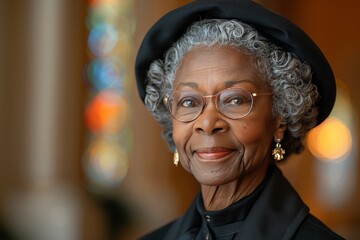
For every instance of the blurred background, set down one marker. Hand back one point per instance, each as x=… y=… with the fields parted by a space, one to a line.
x=80 y=157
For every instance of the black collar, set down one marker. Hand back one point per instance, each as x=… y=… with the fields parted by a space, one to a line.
x=276 y=214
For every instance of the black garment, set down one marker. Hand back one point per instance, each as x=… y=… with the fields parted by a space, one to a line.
x=225 y=224
x=278 y=213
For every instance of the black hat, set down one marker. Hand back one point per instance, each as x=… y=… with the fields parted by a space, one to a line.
x=274 y=27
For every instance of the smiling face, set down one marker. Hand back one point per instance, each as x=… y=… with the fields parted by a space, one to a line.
x=215 y=149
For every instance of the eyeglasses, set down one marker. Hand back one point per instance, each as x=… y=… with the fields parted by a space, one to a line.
x=234 y=103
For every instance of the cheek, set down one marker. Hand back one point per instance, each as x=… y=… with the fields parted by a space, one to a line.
x=181 y=134
x=176 y=134
x=255 y=134
x=248 y=134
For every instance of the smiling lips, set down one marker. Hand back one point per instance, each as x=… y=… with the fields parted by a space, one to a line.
x=213 y=153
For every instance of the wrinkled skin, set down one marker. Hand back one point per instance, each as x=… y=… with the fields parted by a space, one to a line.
x=229 y=158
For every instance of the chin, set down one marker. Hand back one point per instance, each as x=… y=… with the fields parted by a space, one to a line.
x=214 y=180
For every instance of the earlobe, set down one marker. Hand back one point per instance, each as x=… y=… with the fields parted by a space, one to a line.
x=279 y=133
x=280 y=129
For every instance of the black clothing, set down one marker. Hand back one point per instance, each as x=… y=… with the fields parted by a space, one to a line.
x=224 y=224
x=276 y=212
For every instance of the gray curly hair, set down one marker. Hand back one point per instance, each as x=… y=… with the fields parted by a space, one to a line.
x=294 y=95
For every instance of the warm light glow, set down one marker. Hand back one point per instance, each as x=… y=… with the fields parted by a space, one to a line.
x=330 y=141
x=106 y=112
x=107 y=163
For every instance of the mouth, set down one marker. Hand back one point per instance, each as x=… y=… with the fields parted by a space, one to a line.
x=215 y=153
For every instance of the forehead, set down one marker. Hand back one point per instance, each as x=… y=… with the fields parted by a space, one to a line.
x=217 y=65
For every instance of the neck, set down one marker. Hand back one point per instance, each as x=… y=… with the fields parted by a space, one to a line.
x=220 y=197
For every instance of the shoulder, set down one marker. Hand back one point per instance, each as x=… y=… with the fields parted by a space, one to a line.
x=313 y=229
x=179 y=227
x=158 y=233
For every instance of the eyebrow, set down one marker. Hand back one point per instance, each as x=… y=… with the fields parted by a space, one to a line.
x=234 y=82
x=190 y=84
x=228 y=84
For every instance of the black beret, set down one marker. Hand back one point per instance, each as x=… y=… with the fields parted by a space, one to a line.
x=274 y=27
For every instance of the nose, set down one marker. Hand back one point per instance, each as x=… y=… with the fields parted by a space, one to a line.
x=210 y=121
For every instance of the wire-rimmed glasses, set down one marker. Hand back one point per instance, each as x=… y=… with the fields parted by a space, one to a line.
x=234 y=103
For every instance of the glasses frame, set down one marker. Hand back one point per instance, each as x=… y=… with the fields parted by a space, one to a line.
x=253 y=95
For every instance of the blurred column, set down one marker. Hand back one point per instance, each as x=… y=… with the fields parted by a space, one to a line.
x=45 y=76
x=41 y=124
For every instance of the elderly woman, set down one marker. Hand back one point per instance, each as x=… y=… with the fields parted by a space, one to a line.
x=235 y=86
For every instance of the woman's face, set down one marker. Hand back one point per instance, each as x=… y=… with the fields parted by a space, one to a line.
x=216 y=149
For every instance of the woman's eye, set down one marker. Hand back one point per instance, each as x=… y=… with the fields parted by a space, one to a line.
x=188 y=102
x=236 y=100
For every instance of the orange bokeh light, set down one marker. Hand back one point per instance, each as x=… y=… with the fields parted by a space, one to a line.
x=106 y=112
x=330 y=141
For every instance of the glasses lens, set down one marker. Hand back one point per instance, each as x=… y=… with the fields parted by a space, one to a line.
x=235 y=103
x=185 y=106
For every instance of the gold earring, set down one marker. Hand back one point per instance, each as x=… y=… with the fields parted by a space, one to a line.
x=176 y=158
x=278 y=152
